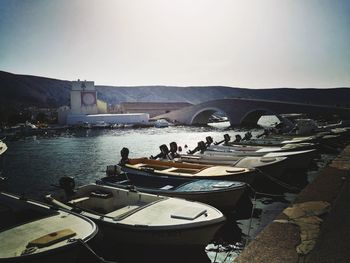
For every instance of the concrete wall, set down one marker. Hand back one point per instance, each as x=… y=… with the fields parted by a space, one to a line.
x=137 y=118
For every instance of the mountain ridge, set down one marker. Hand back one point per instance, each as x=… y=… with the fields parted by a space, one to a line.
x=27 y=90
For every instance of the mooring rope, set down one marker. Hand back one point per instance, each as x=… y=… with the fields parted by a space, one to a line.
x=279 y=182
x=85 y=245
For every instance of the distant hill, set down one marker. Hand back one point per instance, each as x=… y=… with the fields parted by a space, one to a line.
x=23 y=90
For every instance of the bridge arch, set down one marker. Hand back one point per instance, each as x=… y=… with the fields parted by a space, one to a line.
x=251 y=118
x=202 y=116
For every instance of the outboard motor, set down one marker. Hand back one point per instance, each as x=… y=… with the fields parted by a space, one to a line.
x=227 y=138
x=238 y=138
x=125 y=156
x=200 y=147
x=173 y=150
x=247 y=136
x=67 y=183
x=164 y=153
x=164 y=150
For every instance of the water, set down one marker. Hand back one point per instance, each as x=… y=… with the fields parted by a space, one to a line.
x=34 y=164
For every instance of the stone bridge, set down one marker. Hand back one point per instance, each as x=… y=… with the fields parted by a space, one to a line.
x=246 y=112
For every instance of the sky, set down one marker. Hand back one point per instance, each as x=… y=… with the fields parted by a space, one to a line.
x=237 y=43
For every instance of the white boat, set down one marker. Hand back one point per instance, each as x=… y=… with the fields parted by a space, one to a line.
x=248 y=150
x=277 y=140
x=161 y=123
x=33 y=232
x=3 y=147
x=129 y=217
x=254 y=150
x=296 y=159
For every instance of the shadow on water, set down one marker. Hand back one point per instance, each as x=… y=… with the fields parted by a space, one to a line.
x=135 y=254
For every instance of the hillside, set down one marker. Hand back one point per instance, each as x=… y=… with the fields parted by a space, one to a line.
x=22 y=90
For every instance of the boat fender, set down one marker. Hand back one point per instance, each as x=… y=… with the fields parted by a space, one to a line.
x=67 y=183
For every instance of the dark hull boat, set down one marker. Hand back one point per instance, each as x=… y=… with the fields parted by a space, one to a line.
x=34 y=232
x=223 y=195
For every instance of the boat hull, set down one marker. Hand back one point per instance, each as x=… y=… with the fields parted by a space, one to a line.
x=197 y=237
x=247 y=177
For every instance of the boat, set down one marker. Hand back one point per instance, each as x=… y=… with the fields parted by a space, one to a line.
x=132 y=218
x=161 y=123
x=223 y=195
x=3 y=147
x=101 y=125
x=253 y=150
x=274 y=140
x=150 y=167
x=296 y=159
x=31 y=231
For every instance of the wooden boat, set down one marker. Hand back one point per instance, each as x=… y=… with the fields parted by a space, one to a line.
x=3 y=147
x=34 y=232
x=220 y=194
x=296 y=159
x=129 y=217
x=274 y=166
x=149 y=167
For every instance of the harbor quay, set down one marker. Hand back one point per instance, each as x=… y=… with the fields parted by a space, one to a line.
x=315 y=227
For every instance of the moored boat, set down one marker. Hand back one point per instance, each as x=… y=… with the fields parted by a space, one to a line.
x=149 y=167
x=129 y=217
x=223 y=195
x=296 y=159
x=34 y=232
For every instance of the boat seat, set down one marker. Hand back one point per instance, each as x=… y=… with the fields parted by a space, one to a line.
x=122 y=211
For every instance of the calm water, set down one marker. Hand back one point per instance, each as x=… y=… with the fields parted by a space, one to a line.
x=33 y=164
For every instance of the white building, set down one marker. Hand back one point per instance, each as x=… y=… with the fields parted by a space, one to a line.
x=86 y=108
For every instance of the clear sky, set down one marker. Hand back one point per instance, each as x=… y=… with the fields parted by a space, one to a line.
x=241 y=43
